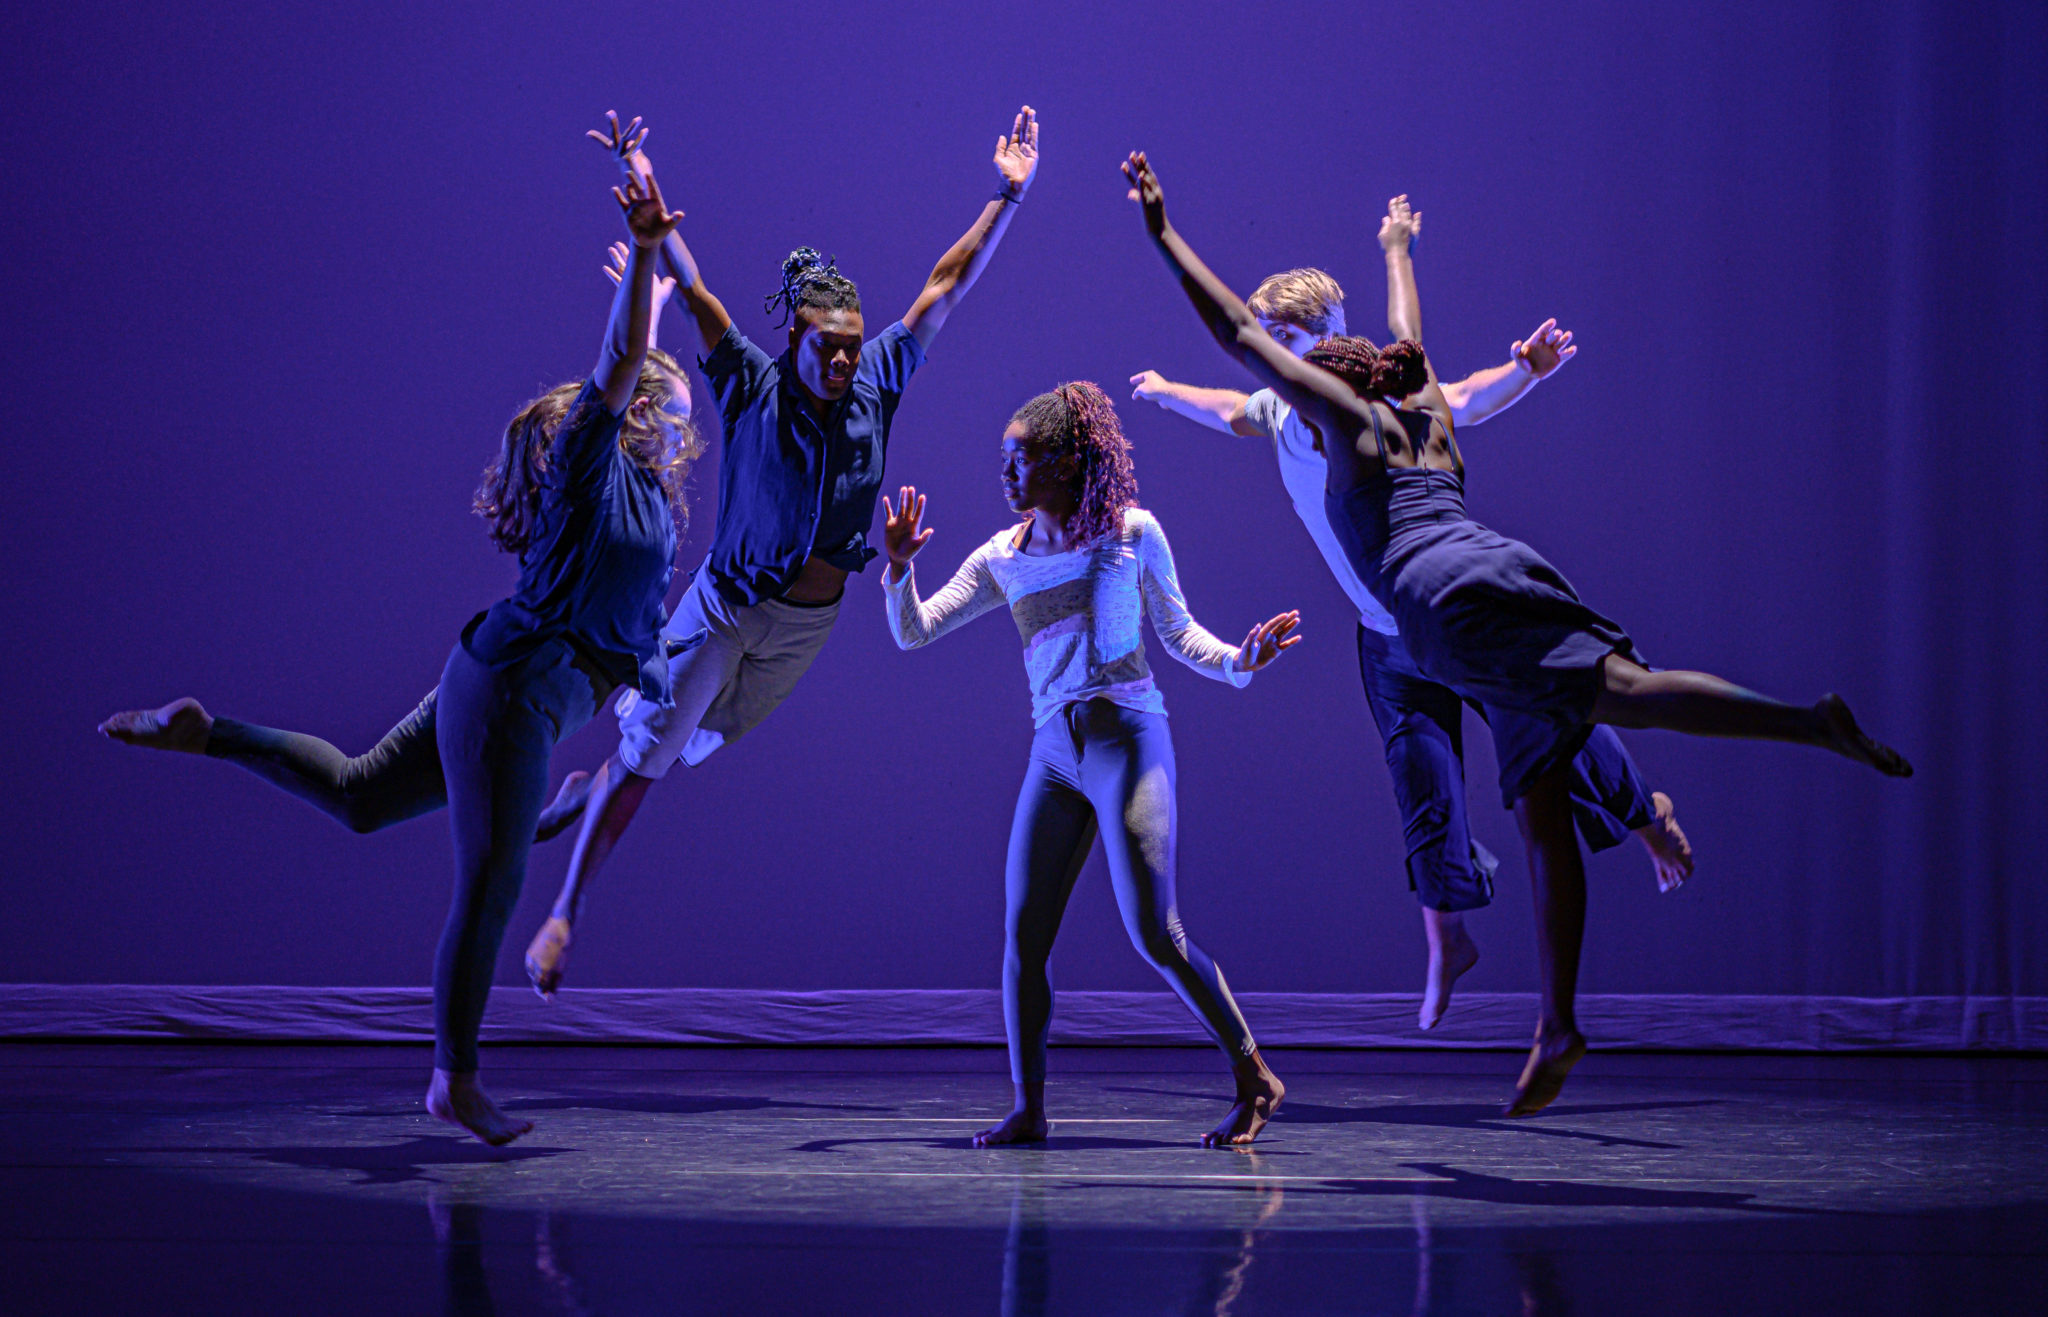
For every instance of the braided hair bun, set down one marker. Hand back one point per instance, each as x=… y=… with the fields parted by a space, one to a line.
x=1392 y=372
x=809 y=279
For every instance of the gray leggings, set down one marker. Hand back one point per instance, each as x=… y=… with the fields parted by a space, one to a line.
x=1098 y=767
x=400 y=778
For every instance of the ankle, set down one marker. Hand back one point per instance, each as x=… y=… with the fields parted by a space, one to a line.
x=1251 y=1072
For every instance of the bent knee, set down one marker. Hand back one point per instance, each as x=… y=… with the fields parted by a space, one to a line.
x=361 y=814
x=1163 y=945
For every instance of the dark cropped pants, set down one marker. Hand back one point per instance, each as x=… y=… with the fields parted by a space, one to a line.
x=496 y=729
x=1100 y=768
x=1420 y=724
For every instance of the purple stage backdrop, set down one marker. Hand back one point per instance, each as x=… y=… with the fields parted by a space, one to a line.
x=277 y=275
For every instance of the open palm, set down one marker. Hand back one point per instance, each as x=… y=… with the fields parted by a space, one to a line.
x=1268 y=640
x=1017 y=152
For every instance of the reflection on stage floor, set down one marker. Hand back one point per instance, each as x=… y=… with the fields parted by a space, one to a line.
x=171 y=1178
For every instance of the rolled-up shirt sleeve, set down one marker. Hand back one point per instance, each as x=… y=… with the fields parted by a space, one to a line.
x=1265 y=410
x=738 y=372
x=891 y=358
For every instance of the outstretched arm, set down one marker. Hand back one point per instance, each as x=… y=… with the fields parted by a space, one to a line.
x=1190 y=641
x=624 y=145
x=1323 y=400
x=1016 y=165
x=916 y=622
x=626 y=337
x=1219 y=409
x=664 y=288
x=1398 y=232
x=1487 y=393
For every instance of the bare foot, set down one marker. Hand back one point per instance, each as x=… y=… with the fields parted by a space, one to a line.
x=1450 y=956
x=548 y=955
x=181 y=725
x=1849 y=740
x=460 y=1100
x=566 y=808
x=1020 y=1126
x=1550 y=1060
x=1670 y=852
x=1259 y=1091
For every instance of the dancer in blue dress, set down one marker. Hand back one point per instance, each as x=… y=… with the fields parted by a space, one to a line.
x=1485 y=615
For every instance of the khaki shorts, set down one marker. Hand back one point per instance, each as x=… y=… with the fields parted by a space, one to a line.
x=740 y=662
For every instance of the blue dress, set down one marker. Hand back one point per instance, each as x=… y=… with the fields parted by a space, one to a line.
x=1480 y=613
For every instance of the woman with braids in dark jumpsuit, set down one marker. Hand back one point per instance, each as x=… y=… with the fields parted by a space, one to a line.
x=1485 y=615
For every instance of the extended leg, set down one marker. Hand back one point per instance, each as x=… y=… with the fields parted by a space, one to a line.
x=1557 y=879
x=1705 y=705
x=1049 y=839
x=1127 y=769
x=399 y=778
x=650 y=739
x=614 y=798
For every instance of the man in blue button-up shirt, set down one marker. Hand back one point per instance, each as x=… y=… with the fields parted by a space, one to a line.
x=806 y=434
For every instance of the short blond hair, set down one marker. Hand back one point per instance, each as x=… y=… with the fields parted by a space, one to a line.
x=1306 y=297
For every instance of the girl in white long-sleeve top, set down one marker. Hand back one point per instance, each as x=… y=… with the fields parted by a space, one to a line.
x=1078 y=575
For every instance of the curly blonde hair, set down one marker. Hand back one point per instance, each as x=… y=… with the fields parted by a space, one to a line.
x=1077 y=425
x=509 y=496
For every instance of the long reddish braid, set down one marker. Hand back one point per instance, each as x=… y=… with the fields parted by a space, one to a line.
x=1077 y=425
x=1392 y=372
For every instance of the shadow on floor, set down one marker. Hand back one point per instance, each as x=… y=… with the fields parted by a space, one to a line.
x=387 y=1163
x=1463 y=1115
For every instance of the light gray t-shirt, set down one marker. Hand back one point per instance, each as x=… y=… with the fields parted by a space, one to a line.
x=1305 y=474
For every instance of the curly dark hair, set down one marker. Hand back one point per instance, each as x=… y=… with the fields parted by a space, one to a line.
x=1077 y=425
x=509 y=496
x=1392 y=372
x=808 y=279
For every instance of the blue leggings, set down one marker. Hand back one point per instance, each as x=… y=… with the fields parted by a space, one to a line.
x=496 y=729
x=1100 y=768
x=1421 y=725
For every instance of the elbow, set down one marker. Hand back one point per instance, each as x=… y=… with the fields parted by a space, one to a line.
x=1241 y=334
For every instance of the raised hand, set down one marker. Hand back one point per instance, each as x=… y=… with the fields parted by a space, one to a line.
x=1145 y=190
x=1401 y=227
x=901 y=538
x=1147 y=386
x=616 y=272
x=1545 y=350
x=622 y=143
x=1017 y=153
x=647 y=219
x=1267 y=640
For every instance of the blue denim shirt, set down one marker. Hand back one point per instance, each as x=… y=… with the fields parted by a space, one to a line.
x=789 y=484
x=599 y=564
